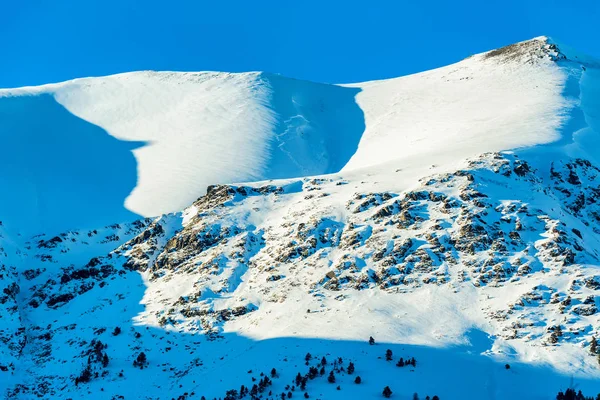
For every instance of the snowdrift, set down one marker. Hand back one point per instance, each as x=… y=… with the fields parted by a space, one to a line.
x=149 y=143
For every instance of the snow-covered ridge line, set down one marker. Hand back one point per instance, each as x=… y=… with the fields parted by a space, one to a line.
x=423 y=234
x=169 y=135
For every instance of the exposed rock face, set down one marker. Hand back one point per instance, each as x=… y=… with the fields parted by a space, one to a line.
x=217 y=263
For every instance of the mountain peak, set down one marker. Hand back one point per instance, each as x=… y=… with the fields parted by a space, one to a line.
x=540 y=48
x=452 y=215
x=529 y=51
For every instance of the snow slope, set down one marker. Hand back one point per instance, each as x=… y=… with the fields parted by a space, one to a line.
x=72 y=142
x=479 y=104
x=461 y=226
x=189 y=130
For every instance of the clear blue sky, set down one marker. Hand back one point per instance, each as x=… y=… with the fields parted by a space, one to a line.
x=330 y=41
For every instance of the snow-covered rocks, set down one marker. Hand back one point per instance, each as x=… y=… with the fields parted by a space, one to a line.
x=432 y=238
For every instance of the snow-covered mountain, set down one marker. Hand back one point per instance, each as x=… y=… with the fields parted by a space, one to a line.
x=452 y=215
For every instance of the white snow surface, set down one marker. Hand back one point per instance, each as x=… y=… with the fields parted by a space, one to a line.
x=313 y=256
x=186 y=131
x=191 y=130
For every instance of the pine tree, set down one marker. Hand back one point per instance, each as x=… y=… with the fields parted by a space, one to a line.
x=322 y=371
x=388 y=355
x=105 y=360
x=350 y=369
x=306 y=395
x=323 y=361
x=371 y=340
x=273 y=373
x=303 y=383
x=570 y=394
x=331 y=377
x=415 y=396
x=387 y=392
x=435 y=398
x=400 y=362
x=307 y=357
x=141 y=361
x=357 y=380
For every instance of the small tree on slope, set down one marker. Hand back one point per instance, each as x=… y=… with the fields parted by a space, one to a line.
x=387 y=392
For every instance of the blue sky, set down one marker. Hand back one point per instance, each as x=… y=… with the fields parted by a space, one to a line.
x=329 y=41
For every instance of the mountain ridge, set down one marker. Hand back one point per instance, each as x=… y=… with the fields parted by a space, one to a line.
x=432 y=238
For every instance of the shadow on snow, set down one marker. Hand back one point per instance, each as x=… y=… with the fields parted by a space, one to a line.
x=185 y=362
x=58 y=171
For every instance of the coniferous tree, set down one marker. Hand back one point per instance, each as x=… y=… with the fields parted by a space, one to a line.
x=273 y=373
x=570 y=394
x=331 y=377
x=86 y=375
x=415 y=396
x=105 y=360
x=435 y=398
x=357 y=380
x=388 y=355
x=387 y=392
x=371 y=340
x=350 y=369
x=306 y=396
x=323 y=361
x=141 y=361
x=322 y=371
x=400 y=362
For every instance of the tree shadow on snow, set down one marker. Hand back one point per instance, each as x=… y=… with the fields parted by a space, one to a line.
x=58 y=171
